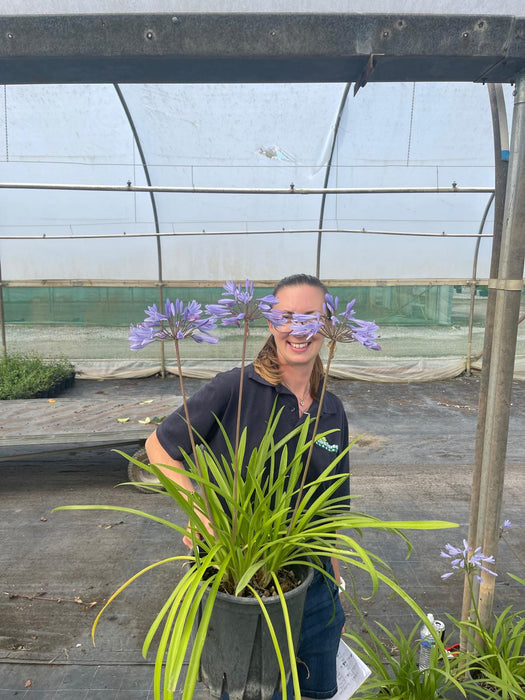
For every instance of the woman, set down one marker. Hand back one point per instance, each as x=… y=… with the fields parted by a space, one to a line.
x=287 y=370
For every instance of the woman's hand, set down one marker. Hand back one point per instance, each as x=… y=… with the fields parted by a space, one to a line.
x=206 y=526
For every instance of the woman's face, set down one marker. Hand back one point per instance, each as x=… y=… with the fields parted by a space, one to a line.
x=296 y=350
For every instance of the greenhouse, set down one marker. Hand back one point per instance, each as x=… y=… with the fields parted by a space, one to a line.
x=118 y=195
x=157 y=154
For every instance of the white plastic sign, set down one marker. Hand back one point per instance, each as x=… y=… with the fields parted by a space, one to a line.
x=351 y=672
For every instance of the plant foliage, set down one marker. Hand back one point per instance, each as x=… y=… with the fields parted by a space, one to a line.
x=246 y=562
x=25 y=376
x=394 y=665
x=264 y=514
x=496 y=664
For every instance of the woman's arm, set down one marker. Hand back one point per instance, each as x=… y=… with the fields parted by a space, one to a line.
x=157 y=455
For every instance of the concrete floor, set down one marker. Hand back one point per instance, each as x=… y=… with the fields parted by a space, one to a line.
x=413 y=461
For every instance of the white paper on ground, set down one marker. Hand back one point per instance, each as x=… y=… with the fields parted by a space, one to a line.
x=351 y=672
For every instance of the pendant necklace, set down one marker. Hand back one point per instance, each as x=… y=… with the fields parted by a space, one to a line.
x=302 y=400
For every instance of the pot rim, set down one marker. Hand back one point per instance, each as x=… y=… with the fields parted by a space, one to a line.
x=242 y=600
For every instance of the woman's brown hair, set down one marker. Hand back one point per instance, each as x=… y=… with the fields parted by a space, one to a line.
x=266 y=363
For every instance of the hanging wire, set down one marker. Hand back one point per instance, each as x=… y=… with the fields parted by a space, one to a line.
x=411 y=123
x=243 y=232
x=5 y=125
x=473 y=282
x=2 y=317
x=327 y=178
x=153 y=206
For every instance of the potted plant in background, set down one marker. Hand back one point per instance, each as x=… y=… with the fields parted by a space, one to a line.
x=493 y=668
x=33 y=377
x=494 y=664
x=393 y=658
x=275 y=526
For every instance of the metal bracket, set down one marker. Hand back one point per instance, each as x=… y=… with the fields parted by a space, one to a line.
x=367 y=70
x=506 y=285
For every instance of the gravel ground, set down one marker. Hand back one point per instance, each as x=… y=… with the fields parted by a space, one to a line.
x=413 y=460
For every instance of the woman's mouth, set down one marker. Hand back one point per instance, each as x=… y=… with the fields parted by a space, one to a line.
x=299 y=346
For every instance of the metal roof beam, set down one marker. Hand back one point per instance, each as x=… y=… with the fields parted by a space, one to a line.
x=259 y=47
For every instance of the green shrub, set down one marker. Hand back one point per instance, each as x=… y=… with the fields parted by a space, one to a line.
x=26 y=376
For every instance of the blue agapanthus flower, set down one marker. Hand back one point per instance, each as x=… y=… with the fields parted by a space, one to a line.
x=337 y=327
x=178 y=321
x=467 y=559
x=238 y=306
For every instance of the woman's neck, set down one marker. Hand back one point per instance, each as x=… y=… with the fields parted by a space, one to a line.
x=298 y=382
x=297 y=379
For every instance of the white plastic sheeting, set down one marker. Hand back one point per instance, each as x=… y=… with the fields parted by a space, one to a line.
x=394 y=371
x=486 y=7
x=244 y=136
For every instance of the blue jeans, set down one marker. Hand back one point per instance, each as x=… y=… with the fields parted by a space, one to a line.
x=323 y=623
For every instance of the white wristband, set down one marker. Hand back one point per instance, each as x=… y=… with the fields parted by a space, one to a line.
x=342 y=584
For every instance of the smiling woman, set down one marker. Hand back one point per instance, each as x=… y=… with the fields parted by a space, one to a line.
x=285 y=377
x=267 y=505
x=296 y=352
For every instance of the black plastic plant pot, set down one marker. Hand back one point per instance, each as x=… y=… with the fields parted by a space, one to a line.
x=239 y=656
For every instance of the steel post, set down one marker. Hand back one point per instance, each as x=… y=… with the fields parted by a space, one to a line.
x=500 y=177
x=2 y=317
x=507 y=288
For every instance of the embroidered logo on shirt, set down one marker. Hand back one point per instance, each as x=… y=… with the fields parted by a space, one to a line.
x=323 y=442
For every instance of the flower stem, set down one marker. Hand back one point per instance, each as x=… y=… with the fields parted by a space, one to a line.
x=331 y=352
x=512 y=549
x=190 y=431
x=246 y=333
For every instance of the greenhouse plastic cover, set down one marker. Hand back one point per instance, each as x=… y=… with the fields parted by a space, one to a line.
x=249 y=136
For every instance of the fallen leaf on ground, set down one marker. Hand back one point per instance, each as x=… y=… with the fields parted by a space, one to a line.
x=108 y=526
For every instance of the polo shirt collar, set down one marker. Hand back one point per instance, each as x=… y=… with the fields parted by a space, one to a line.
x=329 y=402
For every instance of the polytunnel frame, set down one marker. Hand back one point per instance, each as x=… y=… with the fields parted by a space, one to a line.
x=324 y=47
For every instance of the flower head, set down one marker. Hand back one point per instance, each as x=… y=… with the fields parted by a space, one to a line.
x=507 y=525
x=141 y=335
x=307 y=324
x=178 y=321
x=340 y=327
x=467 y=559
x=239 y=306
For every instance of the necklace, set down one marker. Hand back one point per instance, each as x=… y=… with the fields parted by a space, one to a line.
x=301 y=400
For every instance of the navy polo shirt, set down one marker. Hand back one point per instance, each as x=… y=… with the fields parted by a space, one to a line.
x=220 y=397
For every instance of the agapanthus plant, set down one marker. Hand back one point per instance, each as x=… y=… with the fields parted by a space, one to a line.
x=258 y=534
x=503 y=532
x=178 y=322
x=238 y=307
x=492 y=656
x=466 y=559
x=341 y=327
